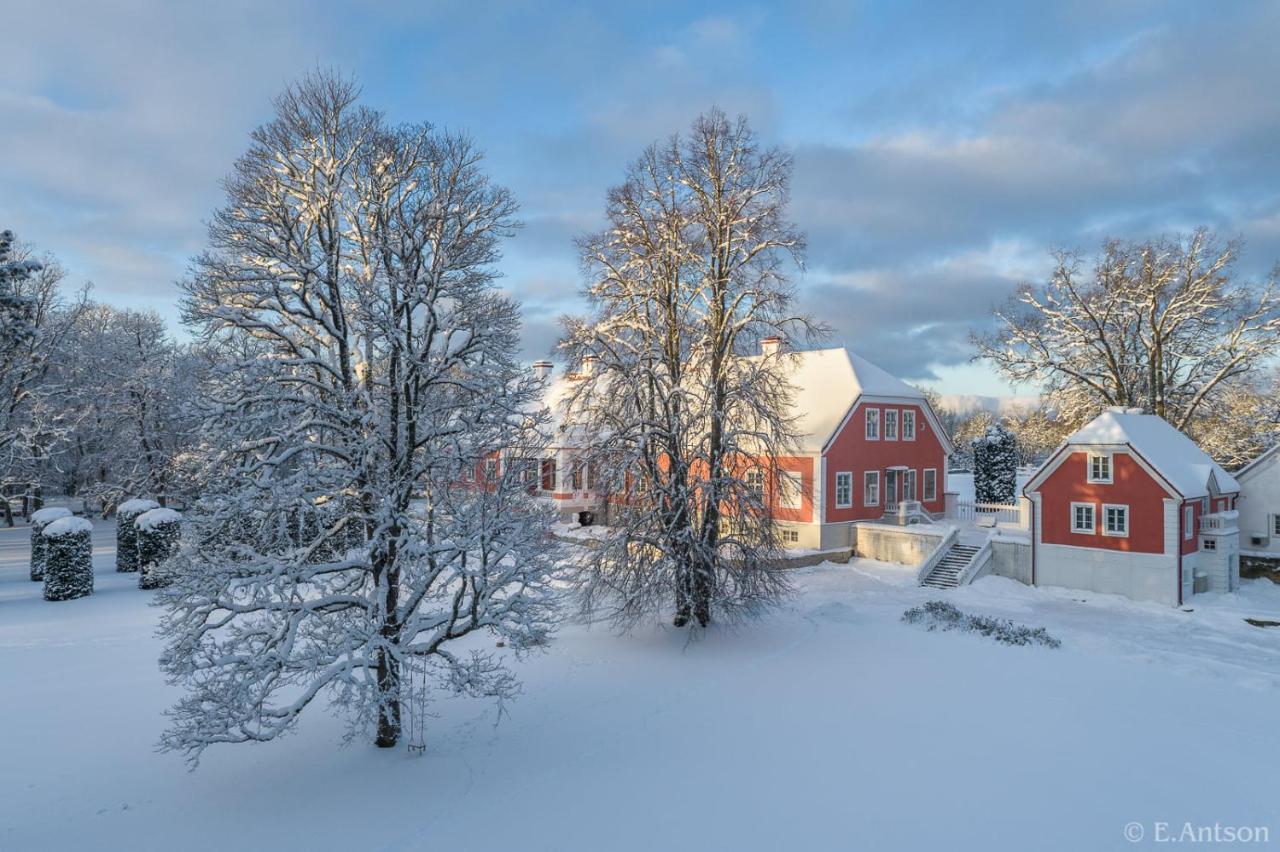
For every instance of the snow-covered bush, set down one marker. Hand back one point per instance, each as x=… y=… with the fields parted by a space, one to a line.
x=68 y=559
x=39 y=520
x=157 y=532
x=995 y=466
x=126 y=533
x=940 y=615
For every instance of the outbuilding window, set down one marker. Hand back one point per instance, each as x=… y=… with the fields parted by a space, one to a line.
x=844 y=489
x=1082 y=520
x=1115 y=520
x=1099 y=467
x=1208 y=544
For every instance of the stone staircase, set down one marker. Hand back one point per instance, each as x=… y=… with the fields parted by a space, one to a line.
x=946 y=574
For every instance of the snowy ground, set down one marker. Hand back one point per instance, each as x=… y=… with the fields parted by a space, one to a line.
x=829 y=725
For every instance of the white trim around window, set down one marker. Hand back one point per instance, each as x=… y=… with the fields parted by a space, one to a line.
x=1099 y=469
x=873 y=424
x=1083 y=520
x=908 y=485
x=844 y=489
x=1188 y=523
x=871 y=488
x=790 y=489
x=908 y=424
x=929 y=491
x=891 y=424
x=1115 y=520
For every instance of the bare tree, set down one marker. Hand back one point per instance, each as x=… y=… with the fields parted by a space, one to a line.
x=1162 y=325
x=368 y=365
x=683 y=423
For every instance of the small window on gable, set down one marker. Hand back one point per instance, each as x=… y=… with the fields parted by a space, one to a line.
x=873 y=424
x=844 y=489
x=891 y=424
x=1082 y=518
x=1115 y=520
x=908 y=425
x=1099 y=467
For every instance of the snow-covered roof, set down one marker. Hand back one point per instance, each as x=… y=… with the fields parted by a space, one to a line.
x=67 y=526
x=153 y=518
x=827 y=383
x=1257 y=464
x=1175 y=457
x=49 y=514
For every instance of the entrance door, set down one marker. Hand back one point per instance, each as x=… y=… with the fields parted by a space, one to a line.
x=892 y=482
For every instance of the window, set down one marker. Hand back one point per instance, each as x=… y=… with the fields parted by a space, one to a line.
x=873 y=424
x=891 y=424
x=578 y=476
x=1275 y=524
x=529 y=471
x=844 y=489
x=1082 y=518
x=1099 y=467
x=468 y=471
x=490 y=470
x=871 y=488
x=930 y=485
x=1115 y=520
x=791 y=536
x=548 y=474
x=1188 y=523
x=755 y=482
x=909 y=485
x=908 y=425
x=790 y=489
x=1208 y=544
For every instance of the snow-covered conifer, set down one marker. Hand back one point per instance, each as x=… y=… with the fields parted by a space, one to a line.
x=68 y=559
x=678 y=410
x=366 y=358
x=995 y=466
x=17 y=309
x=157 y=532
x=40 y=519
x=127 y=532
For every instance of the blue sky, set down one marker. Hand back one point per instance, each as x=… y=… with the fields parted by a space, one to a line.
x=941 y=149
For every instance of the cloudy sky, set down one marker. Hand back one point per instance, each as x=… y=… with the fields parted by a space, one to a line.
x=941 y=149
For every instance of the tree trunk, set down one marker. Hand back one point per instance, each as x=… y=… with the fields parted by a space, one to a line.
x=388 y=708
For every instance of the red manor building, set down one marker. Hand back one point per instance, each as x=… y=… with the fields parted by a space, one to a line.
x=1129 y=505
x=867 y=442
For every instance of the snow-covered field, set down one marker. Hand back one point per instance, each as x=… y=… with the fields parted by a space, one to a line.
x=829 y=725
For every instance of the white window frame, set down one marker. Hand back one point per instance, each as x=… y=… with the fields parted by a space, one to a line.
x=790 y=489
x=1093 y=519
x=1275 y=524
x=890 y=418
x=754 y=478
x=490 y=470
x=910 y=479
x=1207 y=543
x=1125 y=509
x=1110 y=477
x=873 y=424
x=908 y=420
x=1188 y=523
x=847 y=476
x=791 y=536
x=871 y=486
x=927 y=494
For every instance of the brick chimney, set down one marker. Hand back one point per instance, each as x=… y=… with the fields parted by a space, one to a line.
x=770 y=346
x=542 y=369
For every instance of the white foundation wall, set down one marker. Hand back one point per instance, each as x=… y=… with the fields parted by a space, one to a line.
x=909 y=545
x=1141 y=576
x=1011 y=558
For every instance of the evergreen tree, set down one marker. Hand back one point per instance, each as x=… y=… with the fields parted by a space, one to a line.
x=39 y=520
x=68 y=559
x=127 y=514
x=995 y=473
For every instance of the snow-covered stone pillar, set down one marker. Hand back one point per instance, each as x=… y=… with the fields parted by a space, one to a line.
x=950 y=501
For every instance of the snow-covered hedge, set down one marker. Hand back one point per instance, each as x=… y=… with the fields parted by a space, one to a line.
x=39 y=520
x=940 y=615
x=126 y=536
x=68 y=559
x=995 y=466
x=157 y=533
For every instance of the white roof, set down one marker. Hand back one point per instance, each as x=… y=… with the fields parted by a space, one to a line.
x=827 y=382
x=1174 y=456
x=1248 y=470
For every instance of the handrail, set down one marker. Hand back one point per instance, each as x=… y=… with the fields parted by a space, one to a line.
x=931 y=562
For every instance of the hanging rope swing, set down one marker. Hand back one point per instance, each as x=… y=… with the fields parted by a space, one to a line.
x=417 y=706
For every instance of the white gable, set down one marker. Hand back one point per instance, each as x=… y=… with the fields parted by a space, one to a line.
x=1174 y=456
x=1269 y=459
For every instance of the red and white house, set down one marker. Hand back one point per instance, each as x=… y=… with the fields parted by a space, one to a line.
x=867 y=441
x=1129 y=505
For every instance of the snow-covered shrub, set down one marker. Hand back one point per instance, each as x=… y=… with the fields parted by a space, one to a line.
x=68 y=559
x=126 y=534
x=157 y=532
x=995 y=466
x=39 y=520
x=940 y=615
